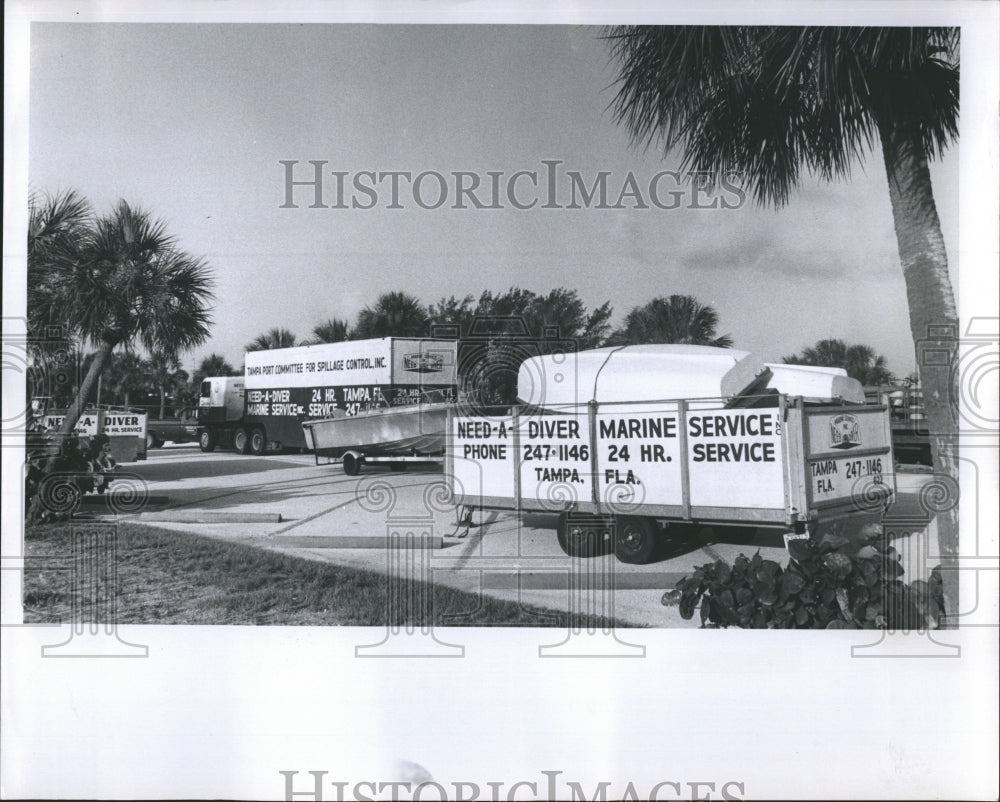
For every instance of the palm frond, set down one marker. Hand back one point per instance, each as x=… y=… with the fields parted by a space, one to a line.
x=276 y=337
x=769 y=102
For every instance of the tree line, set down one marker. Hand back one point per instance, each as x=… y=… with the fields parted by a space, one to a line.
x=139 y=289
x=491 y=328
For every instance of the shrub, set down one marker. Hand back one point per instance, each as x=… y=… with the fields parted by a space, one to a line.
x=835 y=583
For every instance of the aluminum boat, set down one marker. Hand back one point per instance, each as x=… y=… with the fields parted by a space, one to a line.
x=416 y=430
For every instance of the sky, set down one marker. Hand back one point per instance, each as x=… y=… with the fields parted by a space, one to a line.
x=192 y=122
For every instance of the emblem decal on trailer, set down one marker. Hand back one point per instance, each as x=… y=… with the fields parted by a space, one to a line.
x=845 y=431
x=423 y=363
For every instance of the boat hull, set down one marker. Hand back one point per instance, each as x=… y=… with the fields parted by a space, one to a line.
x=396 y=431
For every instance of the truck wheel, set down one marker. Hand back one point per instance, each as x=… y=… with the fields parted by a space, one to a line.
x=206 y=440
x=636 y=539
x=578 y=538
x=241 y=442
x=258 y=442
x=152 y=441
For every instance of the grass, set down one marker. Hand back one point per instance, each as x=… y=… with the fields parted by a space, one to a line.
x=167 y=577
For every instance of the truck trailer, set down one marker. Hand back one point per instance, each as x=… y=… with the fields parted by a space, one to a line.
x=639 y=443
x=283 y=387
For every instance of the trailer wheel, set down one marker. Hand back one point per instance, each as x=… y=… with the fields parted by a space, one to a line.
x=258 y=442
x=206 y=440
x=241 y=442
x=578 y=538
x=352 y=464
x=636 y=539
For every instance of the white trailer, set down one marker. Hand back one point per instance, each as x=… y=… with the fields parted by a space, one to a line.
x=283 y=387
x=602 y=441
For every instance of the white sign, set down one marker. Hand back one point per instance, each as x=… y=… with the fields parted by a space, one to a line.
x=736 y=459
x=639 y=457
x=119 y=424
x=355 y=362
x=87 y=424
x=111 y=423
x=839 y=433
x=554 y=455
x=483 y=456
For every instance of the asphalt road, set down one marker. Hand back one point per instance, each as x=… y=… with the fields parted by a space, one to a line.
x=325 y=515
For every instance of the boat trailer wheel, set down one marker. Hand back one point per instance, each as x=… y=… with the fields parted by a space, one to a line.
x=352 y=463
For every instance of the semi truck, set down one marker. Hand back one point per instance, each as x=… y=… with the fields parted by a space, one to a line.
x=639 y=443
x=281 y=388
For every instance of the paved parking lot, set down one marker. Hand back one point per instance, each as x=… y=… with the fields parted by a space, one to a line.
x=288 y=503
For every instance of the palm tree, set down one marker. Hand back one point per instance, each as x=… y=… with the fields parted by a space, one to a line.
x=272 y=338
x=677 y=319
x=766 y=102
x=124 y=377
x=124 y=282
x=333 y=330
x=860 y=361
x=214 y=365
x=57 y=225
x=165 y=374
x=395 y=314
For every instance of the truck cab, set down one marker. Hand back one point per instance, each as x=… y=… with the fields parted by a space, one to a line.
x=220 y=409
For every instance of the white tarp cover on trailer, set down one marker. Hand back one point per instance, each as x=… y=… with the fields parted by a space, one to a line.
x=637 y=373
x=815 y=383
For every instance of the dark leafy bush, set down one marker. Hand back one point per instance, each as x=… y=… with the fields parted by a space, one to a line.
x=833 y=583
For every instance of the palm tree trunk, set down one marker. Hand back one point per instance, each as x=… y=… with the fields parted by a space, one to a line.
x=934 y=326
x=163 y=402
x=76 y=408
x=89 y=381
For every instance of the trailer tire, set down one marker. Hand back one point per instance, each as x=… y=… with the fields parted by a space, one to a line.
x=352 y=463
x=258 y=442
x=207 y=440
x=636 y=539
x=577 y=539
x=241 y=441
